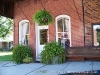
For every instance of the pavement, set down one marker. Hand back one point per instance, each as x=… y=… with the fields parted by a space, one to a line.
x=10 y=68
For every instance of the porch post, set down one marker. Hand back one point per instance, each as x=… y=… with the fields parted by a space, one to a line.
x=83 y=20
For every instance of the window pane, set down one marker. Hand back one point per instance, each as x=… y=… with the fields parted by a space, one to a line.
x=26 y=41
x=27 y=31
x=60 y=26
x=65 y=35
x=96 y=35
x=66 y=25
x=60 y=35
x=43 y=36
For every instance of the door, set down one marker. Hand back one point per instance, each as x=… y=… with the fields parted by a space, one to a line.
x=41 y=39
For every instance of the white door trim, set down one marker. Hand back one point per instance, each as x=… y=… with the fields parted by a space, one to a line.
x=37 y=29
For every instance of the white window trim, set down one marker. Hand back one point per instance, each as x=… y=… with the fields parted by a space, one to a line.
x=20 y=27
x=56 y=19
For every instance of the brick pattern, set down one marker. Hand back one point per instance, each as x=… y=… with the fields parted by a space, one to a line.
x=91 y=15
x=56 y=8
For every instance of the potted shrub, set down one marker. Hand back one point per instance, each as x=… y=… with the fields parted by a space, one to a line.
x=53 y=53
x=42 y=17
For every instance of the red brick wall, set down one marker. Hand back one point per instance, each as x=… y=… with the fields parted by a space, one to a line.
x=91 y=16
x=56 y=8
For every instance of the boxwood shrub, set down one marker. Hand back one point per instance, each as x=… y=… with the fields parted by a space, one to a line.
x=20 y=52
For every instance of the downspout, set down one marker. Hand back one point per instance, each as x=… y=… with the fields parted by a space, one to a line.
x=83 y=22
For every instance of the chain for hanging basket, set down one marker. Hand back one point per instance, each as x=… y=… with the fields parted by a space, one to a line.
x=42 y=17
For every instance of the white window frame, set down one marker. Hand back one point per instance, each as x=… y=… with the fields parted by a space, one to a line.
x=57 y=19
x=20 y=30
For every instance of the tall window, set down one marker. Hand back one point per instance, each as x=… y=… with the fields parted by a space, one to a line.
x=63 y=28
x=24 y=32
x=96 y=34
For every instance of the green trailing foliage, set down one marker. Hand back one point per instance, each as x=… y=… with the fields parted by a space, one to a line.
x=42 y=17
x=52 y=50
x=20 y=52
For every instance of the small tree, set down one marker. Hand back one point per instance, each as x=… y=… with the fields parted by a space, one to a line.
x=6 y=27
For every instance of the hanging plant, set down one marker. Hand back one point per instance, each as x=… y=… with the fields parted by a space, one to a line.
x=43 y=17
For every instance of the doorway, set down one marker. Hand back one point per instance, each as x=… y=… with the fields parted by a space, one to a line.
x=41 y=39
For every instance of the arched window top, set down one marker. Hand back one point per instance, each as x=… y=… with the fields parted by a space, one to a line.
x=23 y=21
x=62 y=16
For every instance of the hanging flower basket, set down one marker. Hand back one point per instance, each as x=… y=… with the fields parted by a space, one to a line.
x=42 y=17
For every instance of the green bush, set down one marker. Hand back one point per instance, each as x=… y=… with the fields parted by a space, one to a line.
x=51 y=50
x=20 y=52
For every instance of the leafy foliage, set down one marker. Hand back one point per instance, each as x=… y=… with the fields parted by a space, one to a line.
x=52 y=50
x=43 y=17
x=20 y=52
x=6 y=26
x=27 y=59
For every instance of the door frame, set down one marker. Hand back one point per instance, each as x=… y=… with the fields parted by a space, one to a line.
x=37 y=28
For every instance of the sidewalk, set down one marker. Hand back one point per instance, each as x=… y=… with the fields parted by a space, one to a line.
x=42 y=69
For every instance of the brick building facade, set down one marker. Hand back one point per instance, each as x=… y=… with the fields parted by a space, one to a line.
x=70 y=10
x=91 y=18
